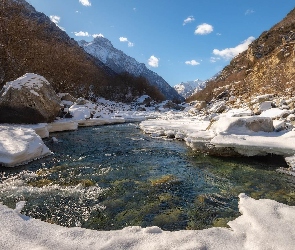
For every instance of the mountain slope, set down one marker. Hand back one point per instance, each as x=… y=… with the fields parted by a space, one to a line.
x=118 y=61
x=266 y=67
x=31 y=43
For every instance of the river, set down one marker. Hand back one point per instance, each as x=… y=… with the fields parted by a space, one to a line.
x=110 y=177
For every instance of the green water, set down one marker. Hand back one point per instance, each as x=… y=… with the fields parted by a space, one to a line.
x=110 y=177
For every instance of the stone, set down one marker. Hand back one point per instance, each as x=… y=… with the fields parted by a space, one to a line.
x=264 y=124
x=200 y=105
x=28 y=99
x=237 y=125
x=141 y=109
x=265 y=105
x=81 y=101
x=279 y=125
x=218 y=107
x=262 y=98
x=291 y=117
x=66 y=97
x=223 y=95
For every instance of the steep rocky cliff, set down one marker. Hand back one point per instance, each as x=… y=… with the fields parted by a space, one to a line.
x=266 y=67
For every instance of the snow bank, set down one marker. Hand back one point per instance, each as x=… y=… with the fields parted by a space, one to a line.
x=245 y=135
x=18 y=145
x=62 y=125
x=259 y=144
x=275 y=113
x=40 y=128
x=264 y=224
x=100 y=121
x=179 y=125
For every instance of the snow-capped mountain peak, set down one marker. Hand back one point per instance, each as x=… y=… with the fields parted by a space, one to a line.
x=118 y=61
x=186 y=89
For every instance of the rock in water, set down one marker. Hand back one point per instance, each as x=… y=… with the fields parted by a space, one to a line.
x=28 y=99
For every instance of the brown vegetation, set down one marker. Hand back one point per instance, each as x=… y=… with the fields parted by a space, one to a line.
x=30 y=42
x=267 y=67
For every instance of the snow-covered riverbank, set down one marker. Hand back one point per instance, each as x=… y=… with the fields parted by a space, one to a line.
x=264 y=224
x=230 y=133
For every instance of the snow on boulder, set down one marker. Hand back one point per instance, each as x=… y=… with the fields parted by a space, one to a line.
x=275 y=113
x=83 y=109
x=218 y=107
x=28 y=99
x=241 y=125
x=66 y=99
x=19 y=145
x=144 y=99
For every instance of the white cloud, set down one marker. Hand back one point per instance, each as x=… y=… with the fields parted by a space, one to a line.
x=188 y=20
x=153 y=61
x=85 y=2
x=204 y=29
x=56 y=20
x=124 y=39
x=214 y=59
x=192 y=62
x=249 y=11
x=97 y=35
x=81 y=33
x=229 y=53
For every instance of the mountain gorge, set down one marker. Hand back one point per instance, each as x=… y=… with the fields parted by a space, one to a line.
x=31 y=42
x=266 y=67
x=102 y=49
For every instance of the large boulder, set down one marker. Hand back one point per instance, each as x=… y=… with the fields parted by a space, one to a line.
x=243 y=125
x=28 y=99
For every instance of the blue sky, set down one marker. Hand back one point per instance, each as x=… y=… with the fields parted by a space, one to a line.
x=181 y=40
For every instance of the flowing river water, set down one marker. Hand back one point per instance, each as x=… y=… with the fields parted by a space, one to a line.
x=110 y=177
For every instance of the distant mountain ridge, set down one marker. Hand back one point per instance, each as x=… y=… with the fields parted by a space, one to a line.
x=118 y=61
x=188 y=88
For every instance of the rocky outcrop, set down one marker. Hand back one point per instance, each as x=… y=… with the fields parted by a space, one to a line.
x=28 y=99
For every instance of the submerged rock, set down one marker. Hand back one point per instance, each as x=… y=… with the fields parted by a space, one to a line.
x=28 y=99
